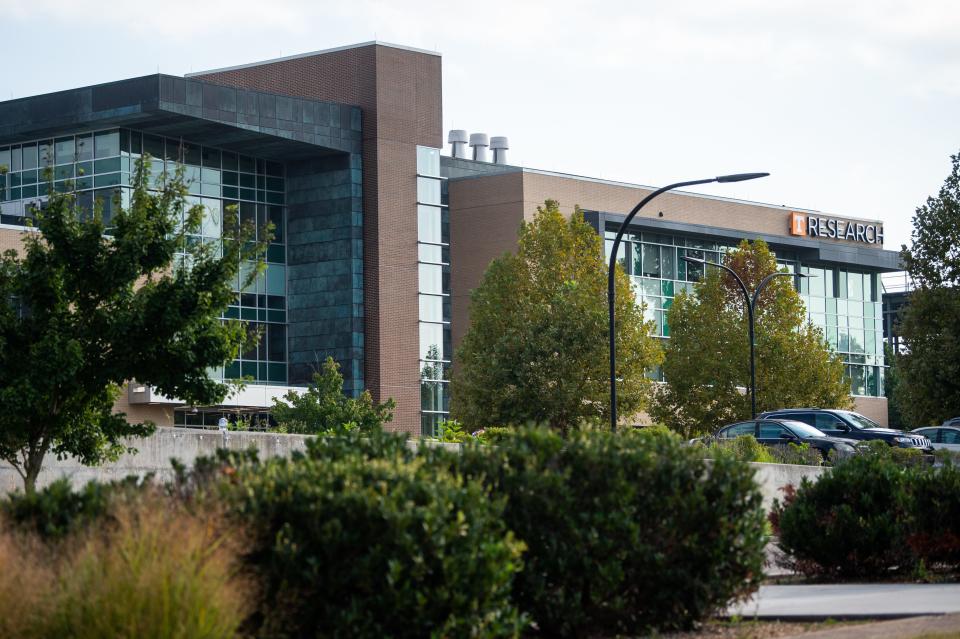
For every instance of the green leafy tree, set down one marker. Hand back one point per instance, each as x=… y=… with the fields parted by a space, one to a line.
x=707 y=359
x=324 y=409
x=536 y=349
x=82 y=312
x=928 y=388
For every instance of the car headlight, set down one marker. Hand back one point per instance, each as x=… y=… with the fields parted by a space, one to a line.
x=846 y=449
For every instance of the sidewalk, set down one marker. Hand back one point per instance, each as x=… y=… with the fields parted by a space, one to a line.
x=849 y=601
x=912 y=628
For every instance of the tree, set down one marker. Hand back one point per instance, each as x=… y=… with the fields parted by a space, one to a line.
x=83 y=311
x=536 y=348
x=707 y=359
x=928 y=389
x=324 y=409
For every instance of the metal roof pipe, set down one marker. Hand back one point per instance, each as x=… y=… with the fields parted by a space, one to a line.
x=479 y=142
x=499 y=145
x=458 y=143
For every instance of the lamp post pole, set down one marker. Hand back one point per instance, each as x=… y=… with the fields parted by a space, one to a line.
x=611 y=290
x=751 y=304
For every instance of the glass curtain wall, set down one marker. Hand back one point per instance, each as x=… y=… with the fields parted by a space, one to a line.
x=100 y=164
x=433 y=248
x=845 y=304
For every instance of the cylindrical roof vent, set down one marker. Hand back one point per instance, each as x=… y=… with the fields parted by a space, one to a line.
x=499 y=145
x=479 y=142
x=458 y=143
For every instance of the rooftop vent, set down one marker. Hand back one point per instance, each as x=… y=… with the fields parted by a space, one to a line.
x=458 y=143
x=479 y=142
x=499 y=146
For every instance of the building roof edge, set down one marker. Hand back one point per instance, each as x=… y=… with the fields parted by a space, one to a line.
x=309 y=54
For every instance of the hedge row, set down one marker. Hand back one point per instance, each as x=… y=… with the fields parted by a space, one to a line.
x=590 y=535
x=873 y=517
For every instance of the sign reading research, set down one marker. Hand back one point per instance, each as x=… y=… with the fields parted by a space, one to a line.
x=803 y=224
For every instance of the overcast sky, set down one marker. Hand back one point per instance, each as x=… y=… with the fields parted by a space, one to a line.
x=853 y=106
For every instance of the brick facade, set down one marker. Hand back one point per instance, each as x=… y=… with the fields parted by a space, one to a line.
x=399 y=93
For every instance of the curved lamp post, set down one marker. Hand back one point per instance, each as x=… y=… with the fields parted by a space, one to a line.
x=751 y=303
x=611 y=292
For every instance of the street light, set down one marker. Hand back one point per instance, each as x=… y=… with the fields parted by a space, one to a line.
x=751 y=302
x=611 y=292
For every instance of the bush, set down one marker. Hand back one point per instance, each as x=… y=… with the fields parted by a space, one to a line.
x=625 y=533
x=352 y=545
x=849 y=523
x=933 y=516
x=744 y=448
x=157 y=571
x=57 y=510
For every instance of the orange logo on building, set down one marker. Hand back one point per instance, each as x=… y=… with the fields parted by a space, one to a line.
x=798 y=224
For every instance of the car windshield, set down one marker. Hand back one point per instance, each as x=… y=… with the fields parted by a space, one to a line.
x=803 y=430
x=858 y=421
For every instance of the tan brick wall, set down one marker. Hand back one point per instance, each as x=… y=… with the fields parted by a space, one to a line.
x=614 y=198
x=11 y=239
x=486 y=212
x=399 y=93
x=873 y=407
x=138 y=413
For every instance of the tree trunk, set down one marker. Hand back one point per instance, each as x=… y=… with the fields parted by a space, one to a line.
x=31 y=469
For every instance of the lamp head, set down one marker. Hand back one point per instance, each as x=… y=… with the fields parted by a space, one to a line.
x=741 y=177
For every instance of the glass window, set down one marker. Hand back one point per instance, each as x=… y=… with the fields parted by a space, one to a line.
x=771 y=430
x=431 y=278
x=433 y=396
x=276 y=279
x=428 y=161
x=277 y=342
x=431 y=341
x=743 y=428
x=950 y=436
x=428 y=190
x=106 y=144
x=855 y=286
x=16 y=158
x=29 y=156
x=432 y=253
x=428 y=224
x=668 y=262
x=45 y=153
x=431 y=308
x=65 y=150
x=651 y=260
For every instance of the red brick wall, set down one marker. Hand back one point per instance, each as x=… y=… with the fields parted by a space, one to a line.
x=399 y=92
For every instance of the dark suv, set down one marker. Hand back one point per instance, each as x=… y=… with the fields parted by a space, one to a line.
x=850 y=425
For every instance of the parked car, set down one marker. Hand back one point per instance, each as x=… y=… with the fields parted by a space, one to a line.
x=781 y=432
x=850 y=425
x=943 y=437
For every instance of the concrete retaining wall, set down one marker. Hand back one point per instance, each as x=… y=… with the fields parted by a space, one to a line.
x=185 y=444
x=153 y=456
x=772 y=478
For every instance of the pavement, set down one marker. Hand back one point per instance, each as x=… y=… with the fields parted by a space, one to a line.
x=945 y=626
x=849 y=601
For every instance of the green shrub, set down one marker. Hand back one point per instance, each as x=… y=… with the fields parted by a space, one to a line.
x=848 y=524
x=57 y=510
x=801 y=454
x=355 y=546
x=933 y=516
x=744 y=448
x=376 y=444
x=625 y=533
